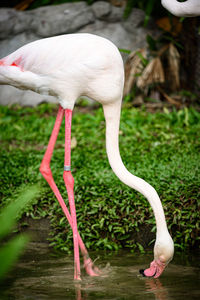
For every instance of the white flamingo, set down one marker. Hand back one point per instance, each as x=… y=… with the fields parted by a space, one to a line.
x=68 y=67
x=188 y=8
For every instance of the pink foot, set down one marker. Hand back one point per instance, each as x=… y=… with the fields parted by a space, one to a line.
x=78 y=278
x=90 y=269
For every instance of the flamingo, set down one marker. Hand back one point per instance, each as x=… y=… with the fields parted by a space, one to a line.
x=70 y=66
x=188 y=8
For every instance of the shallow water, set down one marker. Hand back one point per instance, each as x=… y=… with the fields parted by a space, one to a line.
x=40 y=274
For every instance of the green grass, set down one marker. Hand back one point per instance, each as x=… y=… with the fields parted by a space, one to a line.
x=162 y=148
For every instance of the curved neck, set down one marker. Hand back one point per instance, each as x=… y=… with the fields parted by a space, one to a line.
x=189 y=8
x=112 y=116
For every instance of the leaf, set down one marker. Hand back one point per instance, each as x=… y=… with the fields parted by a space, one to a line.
x=124 y=50
x=141 y=248
x=10 y=252
x=133 y=68
x=174 y=62
x=151 y=42
x=23 y=5
x=129 y=6
x=10 y=213
x=148 y=11
x=172 y=25
x=153 y=73
x=73 y=142
x=186 y=120
x=168 y=98
x=143 y=59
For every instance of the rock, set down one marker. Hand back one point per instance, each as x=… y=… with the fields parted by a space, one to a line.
x=61 y=19
x=23 y=22
x=135 y=20
x=116 y=15
x=106 y=12
x=8 y=18
x=13 y=43
x=13 y=22
x=112 y=31
x=11 y=95
x=101 y=9
x=118 y=35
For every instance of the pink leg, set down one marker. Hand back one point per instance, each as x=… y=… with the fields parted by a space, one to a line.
x=46 y=172
x=69 y=183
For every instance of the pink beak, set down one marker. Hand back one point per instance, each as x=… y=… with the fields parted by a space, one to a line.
x=155 y=270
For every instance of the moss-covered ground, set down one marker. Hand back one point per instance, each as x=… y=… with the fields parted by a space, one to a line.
x=162 y=148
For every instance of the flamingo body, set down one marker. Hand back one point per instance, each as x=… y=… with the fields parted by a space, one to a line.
x=68 y=67
x=64 y=66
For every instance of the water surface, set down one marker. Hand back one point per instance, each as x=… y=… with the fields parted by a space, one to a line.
x=42 y=274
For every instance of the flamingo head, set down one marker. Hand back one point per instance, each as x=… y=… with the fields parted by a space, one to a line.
x=163 y=254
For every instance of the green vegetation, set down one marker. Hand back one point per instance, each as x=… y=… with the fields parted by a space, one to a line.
x=10 y=251
x=162 y=148
x=150 y=7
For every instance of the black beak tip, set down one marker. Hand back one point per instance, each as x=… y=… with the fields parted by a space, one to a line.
x=141 y=271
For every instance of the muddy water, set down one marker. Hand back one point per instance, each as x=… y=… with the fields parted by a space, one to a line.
x=42 y=274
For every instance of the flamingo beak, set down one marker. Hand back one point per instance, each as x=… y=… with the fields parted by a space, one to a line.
x=155 y=270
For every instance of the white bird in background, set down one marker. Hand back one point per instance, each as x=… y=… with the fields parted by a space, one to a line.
x=188 y=8
x=70 y=66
